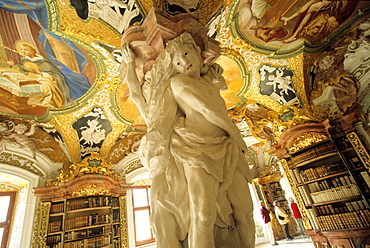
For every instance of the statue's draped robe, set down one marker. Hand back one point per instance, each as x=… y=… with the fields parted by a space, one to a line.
x=169 y=145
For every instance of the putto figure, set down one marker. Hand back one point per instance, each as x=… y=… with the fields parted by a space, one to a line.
x=19 y=135
x=194 y=152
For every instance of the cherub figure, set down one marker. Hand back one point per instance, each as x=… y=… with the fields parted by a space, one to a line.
x=93 y=133
x=21 y=138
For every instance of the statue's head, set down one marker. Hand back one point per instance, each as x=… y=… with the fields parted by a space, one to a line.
x=185 y=55
x=20 y=129
x=184 y=39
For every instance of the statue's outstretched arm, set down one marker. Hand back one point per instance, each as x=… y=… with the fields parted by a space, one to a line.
x=133 y=81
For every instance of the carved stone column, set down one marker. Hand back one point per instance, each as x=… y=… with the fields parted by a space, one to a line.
x=149 y=39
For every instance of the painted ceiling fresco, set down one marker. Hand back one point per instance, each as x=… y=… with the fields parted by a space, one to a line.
x=284 y=25
x=60 y=67
x=39 y=69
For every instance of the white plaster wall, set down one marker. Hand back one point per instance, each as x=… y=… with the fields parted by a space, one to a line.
x=45 y=166
x=130 y=217
x=31 y=202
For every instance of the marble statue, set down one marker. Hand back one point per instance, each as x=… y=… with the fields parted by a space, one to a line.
x=195 y=154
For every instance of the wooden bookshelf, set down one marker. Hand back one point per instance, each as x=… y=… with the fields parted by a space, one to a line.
x=327 y=167
x=86 y=222
x=330 y=190
x=83 y=214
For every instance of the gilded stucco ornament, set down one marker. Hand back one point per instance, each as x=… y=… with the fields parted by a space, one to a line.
x=63 y=123
x=104 y=99
x=205 y=9
x=111 y=84
x=132 y=166
x=102 y=96
x=63 y=19
x=325 y=245
x=21 y=162
x=253 y=61
x=7 y=188
x=278 y=131
x=88 y=33
x=208 y=8
x=360 y=149
x=90 y=190
x=271 y=174
x=126 y=144
x=142 y=182
x=40 y=225
x=123 y=221
x=305 y=140
x=93 y=164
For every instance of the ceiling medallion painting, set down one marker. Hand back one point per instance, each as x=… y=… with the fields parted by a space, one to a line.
x=38 y=69
x=277 y=84
x=287 y=25
x=92 y=130
x=267 y=50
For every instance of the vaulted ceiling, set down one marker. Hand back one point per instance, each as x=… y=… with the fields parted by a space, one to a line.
x=279 y=59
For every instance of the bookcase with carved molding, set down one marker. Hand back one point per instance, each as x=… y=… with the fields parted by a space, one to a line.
x=327 y=165
x=85 y=207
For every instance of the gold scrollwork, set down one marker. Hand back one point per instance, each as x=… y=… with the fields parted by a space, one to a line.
x=93 y=164
x=142 y=182
x=124 y=225
x=20 y=161
x=305 y=140
x=89 y=190
x=208 y=8
x=132 y=166
x=360 y=149
x=40 y=225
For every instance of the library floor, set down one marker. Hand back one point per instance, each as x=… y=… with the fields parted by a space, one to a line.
x=299 y=241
